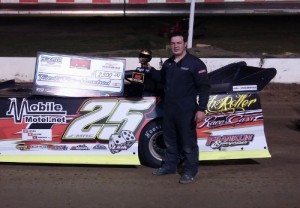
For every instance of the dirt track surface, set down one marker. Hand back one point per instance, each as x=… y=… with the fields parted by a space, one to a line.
x=263 y=183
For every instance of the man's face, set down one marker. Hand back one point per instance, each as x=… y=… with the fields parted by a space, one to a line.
x=178 y=46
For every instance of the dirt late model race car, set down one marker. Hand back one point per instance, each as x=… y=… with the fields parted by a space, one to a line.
x=128 y=129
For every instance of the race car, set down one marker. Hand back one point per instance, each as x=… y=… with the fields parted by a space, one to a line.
x=128 y=129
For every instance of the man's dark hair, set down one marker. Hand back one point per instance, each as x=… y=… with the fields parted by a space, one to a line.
x=179 y=33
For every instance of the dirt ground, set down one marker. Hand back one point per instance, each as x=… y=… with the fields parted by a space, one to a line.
x=272 y=182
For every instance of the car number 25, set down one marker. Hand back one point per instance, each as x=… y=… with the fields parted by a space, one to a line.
x=101 y=118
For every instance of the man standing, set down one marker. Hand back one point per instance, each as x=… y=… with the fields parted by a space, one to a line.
x=184 y=77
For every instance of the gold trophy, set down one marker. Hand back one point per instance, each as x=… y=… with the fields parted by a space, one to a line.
x=145 y=57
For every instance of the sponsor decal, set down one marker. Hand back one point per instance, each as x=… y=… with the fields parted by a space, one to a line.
x=21 y=146
x=230 y=103
x=41 y=112
x=244 y=88
x=80 y=147
x=214 y=121
x=57 y=147
x=217 y=142
x=38 y=146
x=232 y=110
x=36 y=135
x=99 y=147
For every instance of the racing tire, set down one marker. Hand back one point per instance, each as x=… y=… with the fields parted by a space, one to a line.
x=151 y=144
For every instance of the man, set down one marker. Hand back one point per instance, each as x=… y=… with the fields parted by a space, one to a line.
x=184 y=77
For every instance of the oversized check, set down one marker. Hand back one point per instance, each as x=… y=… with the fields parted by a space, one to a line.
x=78 y=76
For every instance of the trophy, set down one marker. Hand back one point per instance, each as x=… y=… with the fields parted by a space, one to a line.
x=145 y=57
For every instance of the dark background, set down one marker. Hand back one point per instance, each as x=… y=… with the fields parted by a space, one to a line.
x=124 y=36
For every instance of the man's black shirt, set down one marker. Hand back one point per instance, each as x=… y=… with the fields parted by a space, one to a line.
x=184 y=80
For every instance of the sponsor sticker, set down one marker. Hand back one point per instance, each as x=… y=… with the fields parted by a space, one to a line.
x=58 y=147
x=21 y=146
x=244 y=88
x=80 y=147
x=216 y=142
x=41 y=112
x=38 y=147
x=99 y=147
x=36 y=135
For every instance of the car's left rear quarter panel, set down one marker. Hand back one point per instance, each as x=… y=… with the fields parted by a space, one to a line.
x=233 y=128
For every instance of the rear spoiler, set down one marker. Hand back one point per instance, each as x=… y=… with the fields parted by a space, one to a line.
x=240 y=77
x=7 y=84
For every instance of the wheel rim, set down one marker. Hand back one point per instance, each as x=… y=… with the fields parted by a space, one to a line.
x=157 y=146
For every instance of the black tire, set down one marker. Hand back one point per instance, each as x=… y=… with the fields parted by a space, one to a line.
x=151 y=144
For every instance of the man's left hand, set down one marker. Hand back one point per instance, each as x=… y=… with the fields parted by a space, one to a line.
x=199 y=116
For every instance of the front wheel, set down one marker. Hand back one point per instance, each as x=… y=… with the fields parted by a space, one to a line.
x=151 y=144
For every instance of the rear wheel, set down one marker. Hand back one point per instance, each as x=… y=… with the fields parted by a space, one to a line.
x=151 y=144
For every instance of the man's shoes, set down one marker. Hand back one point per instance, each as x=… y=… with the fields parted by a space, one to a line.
x=162 y=171
x=186 y=179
